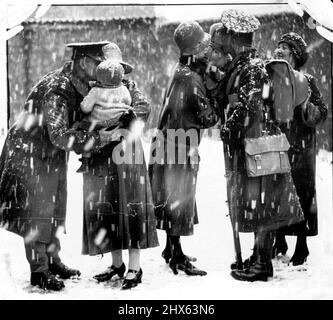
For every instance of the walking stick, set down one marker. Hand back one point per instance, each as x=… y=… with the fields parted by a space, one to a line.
x=234 y=225
x=232 y=208
x=238 y=250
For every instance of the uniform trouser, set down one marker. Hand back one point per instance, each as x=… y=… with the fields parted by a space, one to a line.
x=264 y=243
x=41 y=254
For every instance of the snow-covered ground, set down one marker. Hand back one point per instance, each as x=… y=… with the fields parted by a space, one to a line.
x=212 y=244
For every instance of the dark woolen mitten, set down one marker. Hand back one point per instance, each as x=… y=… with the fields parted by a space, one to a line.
x=126 y=119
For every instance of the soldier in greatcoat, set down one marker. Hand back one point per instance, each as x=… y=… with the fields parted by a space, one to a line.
x=33 y=163
x=256 y=204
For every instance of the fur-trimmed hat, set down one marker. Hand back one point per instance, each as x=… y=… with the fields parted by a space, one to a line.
x=297 y=46
x=240 y=25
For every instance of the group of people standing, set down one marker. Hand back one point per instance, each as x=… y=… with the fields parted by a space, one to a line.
x=218 y=79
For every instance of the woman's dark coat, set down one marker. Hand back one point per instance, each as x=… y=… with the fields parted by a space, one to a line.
x=302 y=154
x=174 y=184
x=33 y=164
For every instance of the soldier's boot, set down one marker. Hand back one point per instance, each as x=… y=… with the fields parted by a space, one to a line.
x=46 y=280
x=55 y=265
x=260 y=271
x=41 y=276
x=247 y=263
x=64 y=272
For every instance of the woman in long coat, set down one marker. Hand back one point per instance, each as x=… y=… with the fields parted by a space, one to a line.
x=118 y=206
x=173 y=180
x=302 y=154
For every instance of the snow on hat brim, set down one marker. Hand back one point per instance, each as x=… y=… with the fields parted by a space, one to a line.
x=239 y=21
x=239 y=25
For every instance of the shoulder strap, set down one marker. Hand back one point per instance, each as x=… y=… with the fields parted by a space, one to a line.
x=231 y=80
x=238 y=72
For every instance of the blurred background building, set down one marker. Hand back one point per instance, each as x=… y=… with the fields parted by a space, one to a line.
x=145 y=36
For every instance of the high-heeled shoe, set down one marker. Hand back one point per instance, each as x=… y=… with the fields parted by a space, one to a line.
x=166 y=255
x=110 y=272
x=131 y=283
x=299 y=257
x=279 y=248
x=186 y=266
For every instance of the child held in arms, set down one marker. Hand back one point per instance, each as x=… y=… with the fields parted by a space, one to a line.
x=108 y=103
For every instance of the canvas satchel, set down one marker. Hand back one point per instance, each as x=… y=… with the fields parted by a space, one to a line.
x=267 y=155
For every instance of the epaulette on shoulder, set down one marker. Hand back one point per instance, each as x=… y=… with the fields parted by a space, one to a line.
x=63 y=85
x=58 y=82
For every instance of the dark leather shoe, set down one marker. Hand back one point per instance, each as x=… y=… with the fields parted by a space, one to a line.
x=237 y=265
x=299 y=257
x=166 y=255
x=46 y=280
x=110 y=272
x=245 y=265
x=279 y=248
x=186 y=266
x=131 y=283
x=256 y=272
x=63 y=271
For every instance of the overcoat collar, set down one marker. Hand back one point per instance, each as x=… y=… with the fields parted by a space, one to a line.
x=81 y=87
